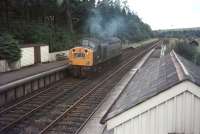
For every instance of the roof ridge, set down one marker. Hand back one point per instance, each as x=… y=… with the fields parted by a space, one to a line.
x=182 y=66
x=177 y=66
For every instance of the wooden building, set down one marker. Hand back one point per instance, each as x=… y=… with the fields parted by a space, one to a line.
x=30 y=54
x=162 y=98
x=34 y=54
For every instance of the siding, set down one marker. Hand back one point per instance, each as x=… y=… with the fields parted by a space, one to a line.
x=27 y=56
x=180 y=114
x=44 y=53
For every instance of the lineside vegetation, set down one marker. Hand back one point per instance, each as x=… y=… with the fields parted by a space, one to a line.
x=60 y=23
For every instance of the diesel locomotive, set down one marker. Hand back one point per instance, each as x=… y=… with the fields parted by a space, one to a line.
x=92 y=52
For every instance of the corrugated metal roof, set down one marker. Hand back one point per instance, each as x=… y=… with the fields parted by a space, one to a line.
x=158 y=75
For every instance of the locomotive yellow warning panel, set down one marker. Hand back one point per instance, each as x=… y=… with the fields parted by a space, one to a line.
x=81 y=56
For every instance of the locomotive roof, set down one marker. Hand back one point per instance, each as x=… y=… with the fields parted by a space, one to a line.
x=111 y=39
x=101 y=42
x=91 y=39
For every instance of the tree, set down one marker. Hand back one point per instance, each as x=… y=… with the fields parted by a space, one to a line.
x=54 y=21
x=9 y=48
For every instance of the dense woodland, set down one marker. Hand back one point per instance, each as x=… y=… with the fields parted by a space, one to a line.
x=60 y=23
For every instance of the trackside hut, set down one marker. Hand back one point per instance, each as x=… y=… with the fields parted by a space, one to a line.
x=33 y=54
x=162 y=98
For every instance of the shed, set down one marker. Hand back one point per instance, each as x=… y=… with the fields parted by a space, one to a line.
x=162 y=98
x=34 y=53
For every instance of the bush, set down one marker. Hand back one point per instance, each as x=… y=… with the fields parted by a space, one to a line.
x=9 y=48
x=57 y=38
x=188 y=51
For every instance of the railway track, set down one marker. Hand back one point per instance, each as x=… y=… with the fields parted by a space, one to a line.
x=72 y=101
x=12 y=115
x=15 y=113
x=74 y=118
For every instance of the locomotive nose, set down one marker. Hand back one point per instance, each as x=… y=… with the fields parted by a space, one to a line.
x=81 y=56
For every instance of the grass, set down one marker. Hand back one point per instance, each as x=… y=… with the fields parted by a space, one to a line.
x=140 y=43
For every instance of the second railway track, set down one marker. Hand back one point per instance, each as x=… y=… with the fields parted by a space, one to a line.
x=74 y=103
x=15 y=113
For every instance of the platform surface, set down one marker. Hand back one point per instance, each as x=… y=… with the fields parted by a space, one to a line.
x=12 y=76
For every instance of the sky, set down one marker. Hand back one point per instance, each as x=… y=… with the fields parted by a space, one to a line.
x=167 y=14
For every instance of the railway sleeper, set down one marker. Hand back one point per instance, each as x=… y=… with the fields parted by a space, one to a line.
x=47 y=108
x=75 y=118
x=68 y=86
x=79 y=109
x=29 y=105
x=99 y=98
x=67 y=125
x=85 y=104
x=45 y=96
x=61 y=131
x=37 y=102
x=25 y=109
x=92 y=101
x=6 y=120
x=62 y=106
x=11 y=115
x=20 y=127
x=108 y=85
x=83 y=107
x=53 y=132
x=80 y=113
x=95 y=97
x=77 y=115
x=16 y=112
x=84 y=110
x=21 y=110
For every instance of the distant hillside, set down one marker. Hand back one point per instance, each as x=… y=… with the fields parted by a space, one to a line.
x=179 y=29
x=179 y=33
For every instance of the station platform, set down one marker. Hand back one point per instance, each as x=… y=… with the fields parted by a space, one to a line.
x=20 y=83
x=12 y=76
x=93 y=126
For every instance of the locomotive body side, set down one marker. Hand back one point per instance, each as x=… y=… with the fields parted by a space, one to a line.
x=114 y=49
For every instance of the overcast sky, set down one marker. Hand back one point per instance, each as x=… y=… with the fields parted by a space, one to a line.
x=167 y=14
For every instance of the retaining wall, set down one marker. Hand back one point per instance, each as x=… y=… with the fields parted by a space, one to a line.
x=18 y=91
